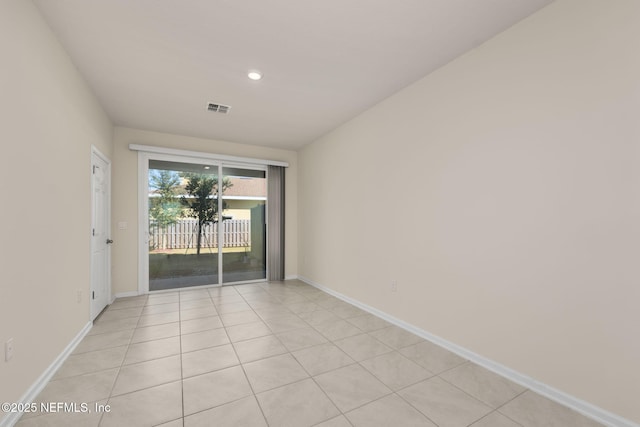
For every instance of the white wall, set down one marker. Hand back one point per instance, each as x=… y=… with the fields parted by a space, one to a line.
x=125 y=193
x=502 y=193
x=48 y=121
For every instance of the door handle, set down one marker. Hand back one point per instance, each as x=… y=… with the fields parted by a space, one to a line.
x=109 y=241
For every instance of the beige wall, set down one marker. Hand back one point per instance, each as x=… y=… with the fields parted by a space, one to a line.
x=125 y=190
x=521 y=160
x=49 y=120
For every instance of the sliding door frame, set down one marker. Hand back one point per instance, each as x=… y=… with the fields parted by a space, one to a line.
x=264 y=169
x=146 y=153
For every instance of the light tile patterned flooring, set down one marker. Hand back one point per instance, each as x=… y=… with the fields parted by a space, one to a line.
x=276 y=354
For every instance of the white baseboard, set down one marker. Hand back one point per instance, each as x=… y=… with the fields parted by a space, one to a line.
x=126 y=294
x=12 y=418
x=294 y=277
x=585 y=408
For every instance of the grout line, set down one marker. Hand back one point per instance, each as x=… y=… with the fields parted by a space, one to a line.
x=279 y=297
x=509 y=401
x=414 y=407
x=115 y=380
x=181 y=360
x=246 y=377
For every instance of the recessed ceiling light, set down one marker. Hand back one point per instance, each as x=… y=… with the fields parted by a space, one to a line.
x=254 y=75
x=207 y=167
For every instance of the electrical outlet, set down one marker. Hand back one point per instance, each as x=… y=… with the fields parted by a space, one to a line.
x=394 y=286
x=8 y=350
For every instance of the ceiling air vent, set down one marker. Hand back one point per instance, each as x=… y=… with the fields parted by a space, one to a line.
x=218 y=108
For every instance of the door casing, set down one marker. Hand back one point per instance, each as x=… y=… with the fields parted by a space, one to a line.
x=100 y=290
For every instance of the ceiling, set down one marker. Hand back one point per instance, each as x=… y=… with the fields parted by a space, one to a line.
x=156 y=64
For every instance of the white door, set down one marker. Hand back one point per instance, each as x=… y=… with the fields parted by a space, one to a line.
x=100 y=234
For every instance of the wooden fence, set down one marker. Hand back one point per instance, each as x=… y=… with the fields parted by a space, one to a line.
x=184 y=234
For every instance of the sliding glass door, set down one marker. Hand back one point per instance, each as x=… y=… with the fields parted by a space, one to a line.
x=244 y=229
x=206 y=224
x=183 y=213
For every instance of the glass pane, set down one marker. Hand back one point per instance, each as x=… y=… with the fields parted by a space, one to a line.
x=244 y=227
x=183 y=216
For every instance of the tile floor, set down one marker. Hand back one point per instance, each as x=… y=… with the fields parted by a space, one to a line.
x=276 y=354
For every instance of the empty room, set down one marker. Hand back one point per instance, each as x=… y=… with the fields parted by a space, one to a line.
x=335 y=213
